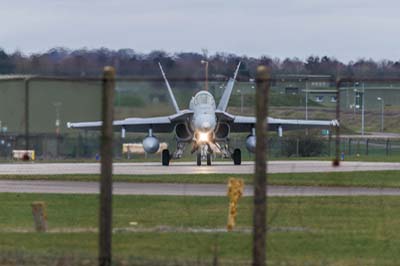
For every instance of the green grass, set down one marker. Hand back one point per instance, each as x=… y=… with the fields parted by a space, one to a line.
x=374 y=158
x=347 y=179
x=304 y=230
x=392 y=158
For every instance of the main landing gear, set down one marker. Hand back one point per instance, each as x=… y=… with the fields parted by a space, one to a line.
x=165 y=157
x=237 y=157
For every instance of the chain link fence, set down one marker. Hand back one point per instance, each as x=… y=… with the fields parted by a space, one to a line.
x=34 y=112
x=189 y=230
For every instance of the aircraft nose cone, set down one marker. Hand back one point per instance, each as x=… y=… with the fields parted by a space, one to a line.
x=206 y=126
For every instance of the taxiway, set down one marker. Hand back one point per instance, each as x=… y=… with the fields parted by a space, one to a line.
x=150 y=168
x=122 y=188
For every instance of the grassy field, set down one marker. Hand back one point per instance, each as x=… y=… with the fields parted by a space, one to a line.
x=349 y=179
x=302 y=231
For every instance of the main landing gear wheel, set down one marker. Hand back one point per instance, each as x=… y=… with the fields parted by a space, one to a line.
x=165 y=157
x=237 y=157
x=208 y=159
x=198 y=159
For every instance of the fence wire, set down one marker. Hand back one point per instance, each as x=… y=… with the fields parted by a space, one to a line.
x=185 y=230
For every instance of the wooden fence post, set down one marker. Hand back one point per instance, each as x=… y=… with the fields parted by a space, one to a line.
x=105 y=228
x=39 y=213
x=260 y=176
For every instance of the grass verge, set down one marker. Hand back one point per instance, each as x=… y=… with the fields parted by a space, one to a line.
x=303 y=231
x=348 y=179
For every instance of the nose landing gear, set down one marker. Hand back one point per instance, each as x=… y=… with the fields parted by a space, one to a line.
x=204 y=153
x=208 y=159
x=198 y=159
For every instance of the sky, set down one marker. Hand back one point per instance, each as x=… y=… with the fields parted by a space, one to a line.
x=344 y=29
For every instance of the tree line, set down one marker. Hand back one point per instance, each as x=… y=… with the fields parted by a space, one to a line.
x=128 y=62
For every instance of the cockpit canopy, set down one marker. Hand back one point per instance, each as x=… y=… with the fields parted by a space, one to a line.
x=202 y=98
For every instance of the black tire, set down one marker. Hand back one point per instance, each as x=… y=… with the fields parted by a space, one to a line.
x=165 y=157
x=208 y=159
x=237 y=157
x=198 y=159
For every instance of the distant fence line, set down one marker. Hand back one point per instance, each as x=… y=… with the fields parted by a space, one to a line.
x=86 y=146
x=371 y=146
x=29 y=107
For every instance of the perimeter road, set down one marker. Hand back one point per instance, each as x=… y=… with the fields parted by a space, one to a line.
x=121 y=188
x=148 y=168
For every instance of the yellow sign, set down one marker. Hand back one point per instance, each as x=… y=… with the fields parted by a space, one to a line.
x=235 y=191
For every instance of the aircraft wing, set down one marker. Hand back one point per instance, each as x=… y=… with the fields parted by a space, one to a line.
x=159 y=124
x=246 y=123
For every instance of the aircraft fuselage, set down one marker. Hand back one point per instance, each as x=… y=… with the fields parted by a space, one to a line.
x=204 y=120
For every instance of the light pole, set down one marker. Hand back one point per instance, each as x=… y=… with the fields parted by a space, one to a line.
x=360 y=95
x=306 y=99
x=362 y=109
x=57 y=106
x=206 y=73
x=382 y=112
x=355 y=99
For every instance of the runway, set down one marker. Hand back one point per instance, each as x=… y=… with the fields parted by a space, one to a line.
x=147 y=168
x=70 y=187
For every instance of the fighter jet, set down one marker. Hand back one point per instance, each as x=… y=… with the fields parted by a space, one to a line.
x=205 y=126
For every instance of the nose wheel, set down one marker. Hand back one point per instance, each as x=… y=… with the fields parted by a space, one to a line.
x=208 y=159
x=198 y=159
x=203 y=153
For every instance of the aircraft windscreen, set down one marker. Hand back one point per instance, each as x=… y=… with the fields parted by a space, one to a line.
x=203 y=99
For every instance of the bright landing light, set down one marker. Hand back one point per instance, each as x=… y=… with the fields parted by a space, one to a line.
x=203 y=137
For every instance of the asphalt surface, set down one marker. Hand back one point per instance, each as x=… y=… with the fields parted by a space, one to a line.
x=190 y=168
x=121 y=188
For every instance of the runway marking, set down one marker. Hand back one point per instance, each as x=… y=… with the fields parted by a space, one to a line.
x=190 y=168
x=122 y=188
